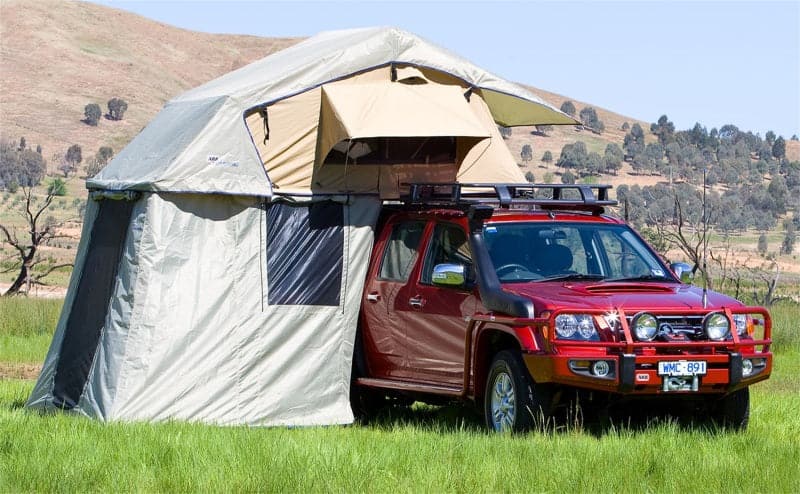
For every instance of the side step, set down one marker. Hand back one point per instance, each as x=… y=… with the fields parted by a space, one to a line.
x=410 y=386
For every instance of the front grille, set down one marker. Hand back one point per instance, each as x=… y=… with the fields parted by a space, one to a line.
x=677 y=328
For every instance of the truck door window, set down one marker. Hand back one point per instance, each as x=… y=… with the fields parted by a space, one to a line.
x=401 y=250
x=448 y=246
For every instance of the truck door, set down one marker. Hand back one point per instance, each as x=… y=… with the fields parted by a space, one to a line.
x=385 y=298
x=437 y=315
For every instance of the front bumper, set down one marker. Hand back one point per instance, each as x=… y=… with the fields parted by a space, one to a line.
x=638 y=374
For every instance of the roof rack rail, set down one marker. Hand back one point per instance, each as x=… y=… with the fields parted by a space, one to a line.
x=587 y=197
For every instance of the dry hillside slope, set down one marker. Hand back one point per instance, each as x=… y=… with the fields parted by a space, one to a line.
x=58 y=56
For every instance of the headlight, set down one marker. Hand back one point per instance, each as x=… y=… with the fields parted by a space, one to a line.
x=740 y=320
x=576 y=327
x=717 y=326
x=645 y=327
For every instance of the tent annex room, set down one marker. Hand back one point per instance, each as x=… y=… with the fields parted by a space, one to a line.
x=220 y=270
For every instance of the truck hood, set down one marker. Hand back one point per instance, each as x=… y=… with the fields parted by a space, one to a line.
x=631 y=297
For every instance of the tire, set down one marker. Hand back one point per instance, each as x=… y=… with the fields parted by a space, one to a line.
x=733 y=410
x=512 y=401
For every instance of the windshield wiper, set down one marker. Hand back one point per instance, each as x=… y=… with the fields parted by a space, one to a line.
x=574 y=277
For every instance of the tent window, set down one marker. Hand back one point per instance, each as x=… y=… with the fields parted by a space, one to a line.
x=90 y=306
x=305 y=251
x=394 y=150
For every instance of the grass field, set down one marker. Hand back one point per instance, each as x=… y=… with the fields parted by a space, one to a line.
x=427 y=449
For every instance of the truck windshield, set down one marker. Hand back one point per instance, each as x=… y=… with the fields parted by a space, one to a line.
x=536 y=251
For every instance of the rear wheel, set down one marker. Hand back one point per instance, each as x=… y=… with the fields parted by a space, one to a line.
x=512 y=401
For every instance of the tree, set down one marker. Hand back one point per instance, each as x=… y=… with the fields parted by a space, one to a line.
x=529 y=177
x=543 y=129
x=25 y=250
x=527 y=153
x=57 y=187
x=547 y=157
x=779 y=148
x=116 y=108
x=568 y=107
x=664 y=129
x=625 y=126
x=789 y=237
x=589 y=118
x=633 y=147
x=71 y=160
x=762 y=244
x=19 y=167
x=567 y=178
x=505 y=132
x=92 y=114
x=637 y=132
x=573 y=156
x=613 y=157
x=770 y=137
x=104 y=154
x=675 y=213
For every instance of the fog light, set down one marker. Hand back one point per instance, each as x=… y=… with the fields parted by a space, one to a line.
x=601 y=368
x=747 y=367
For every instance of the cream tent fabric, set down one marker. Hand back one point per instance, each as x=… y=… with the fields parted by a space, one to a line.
x=199 y=142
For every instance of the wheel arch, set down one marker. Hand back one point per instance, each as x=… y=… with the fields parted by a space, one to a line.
x=490 y=341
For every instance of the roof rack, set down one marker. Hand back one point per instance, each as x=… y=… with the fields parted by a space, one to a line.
x=586 y=197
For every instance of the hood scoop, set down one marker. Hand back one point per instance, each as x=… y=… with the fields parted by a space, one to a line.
x=628 y=288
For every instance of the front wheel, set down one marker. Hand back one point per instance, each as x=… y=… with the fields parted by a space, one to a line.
x=512 y=401
x=733 y=410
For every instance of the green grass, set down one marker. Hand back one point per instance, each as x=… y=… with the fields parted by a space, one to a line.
x=26 y=328
x=62 y=453
x=428 y=449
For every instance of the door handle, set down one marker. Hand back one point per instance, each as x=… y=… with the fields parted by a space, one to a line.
x=416 y=302
x=373 y=297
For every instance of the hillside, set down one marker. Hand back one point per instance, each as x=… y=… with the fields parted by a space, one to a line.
x=58 y=56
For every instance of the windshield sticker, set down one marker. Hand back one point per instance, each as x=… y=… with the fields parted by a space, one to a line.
x=657 y=272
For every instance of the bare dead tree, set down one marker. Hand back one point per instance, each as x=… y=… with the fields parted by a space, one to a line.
x=25 y=249
x=690 y=237
x=769 y=280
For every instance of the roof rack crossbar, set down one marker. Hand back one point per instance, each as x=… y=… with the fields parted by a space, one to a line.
x=589 y=197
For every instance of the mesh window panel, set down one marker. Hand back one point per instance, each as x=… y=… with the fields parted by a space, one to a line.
x=90 y=306
x=305 y=250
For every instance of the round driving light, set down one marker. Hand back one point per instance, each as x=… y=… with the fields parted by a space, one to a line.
x=601 y=368
x=585 y=327
x=740 y=321
x=747 y=367
x=645 y=327
x=566 y=325
x=717 y=326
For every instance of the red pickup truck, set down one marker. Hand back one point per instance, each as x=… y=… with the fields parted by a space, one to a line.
x=515 y=296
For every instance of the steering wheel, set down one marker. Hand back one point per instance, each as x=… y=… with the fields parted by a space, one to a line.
x=510 y=266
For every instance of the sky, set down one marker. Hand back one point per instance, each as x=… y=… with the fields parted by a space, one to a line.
x=717 y=62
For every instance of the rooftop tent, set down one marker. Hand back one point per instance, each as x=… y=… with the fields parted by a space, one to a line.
x=222 y=260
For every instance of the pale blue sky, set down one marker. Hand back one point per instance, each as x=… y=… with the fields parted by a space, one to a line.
x=714 y=62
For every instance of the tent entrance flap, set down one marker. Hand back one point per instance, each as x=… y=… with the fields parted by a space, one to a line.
x=423 y=131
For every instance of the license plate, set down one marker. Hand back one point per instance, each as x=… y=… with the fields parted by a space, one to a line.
x=682 y=368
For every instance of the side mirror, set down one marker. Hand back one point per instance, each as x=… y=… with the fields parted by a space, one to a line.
x=448 y=275
x=683 y=271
